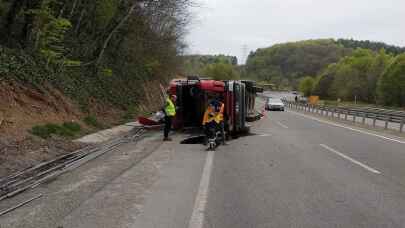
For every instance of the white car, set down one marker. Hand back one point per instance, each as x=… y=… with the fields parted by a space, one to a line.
x=274 y=104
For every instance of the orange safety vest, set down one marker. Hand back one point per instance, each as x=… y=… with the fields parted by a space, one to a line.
x=211 y=115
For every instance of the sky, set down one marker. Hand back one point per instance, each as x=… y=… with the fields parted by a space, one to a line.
x=227 y=26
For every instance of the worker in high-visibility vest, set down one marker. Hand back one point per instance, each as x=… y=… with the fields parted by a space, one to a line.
x=170 y=112
x=214 y=118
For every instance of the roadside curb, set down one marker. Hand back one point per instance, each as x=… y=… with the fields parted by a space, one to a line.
x=108 y=134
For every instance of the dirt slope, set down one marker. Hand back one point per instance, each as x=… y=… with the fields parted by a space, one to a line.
x=23 y=106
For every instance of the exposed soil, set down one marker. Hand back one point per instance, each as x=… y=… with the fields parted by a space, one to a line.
x=22 y=107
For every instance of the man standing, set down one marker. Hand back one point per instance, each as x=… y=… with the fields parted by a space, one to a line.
x=214 y=118
x=170 y=111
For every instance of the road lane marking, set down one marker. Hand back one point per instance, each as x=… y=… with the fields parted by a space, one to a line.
x=264 y=135
x=197 y=217
x=281 y=124
x=350 y=159
x=260 y=133
x=349 y=128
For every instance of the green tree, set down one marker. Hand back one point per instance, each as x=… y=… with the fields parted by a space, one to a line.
x=105 y=12
x=195 y=64
x=306 y=85
x=117 y=45
x=391 y=86
x=366 y=44
x=353 y=77
x=323 y=83
x=221 y=71
x=293 y=61
x=381 y=62
x=51 y=42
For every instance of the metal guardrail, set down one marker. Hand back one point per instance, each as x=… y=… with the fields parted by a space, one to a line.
x=385 y=115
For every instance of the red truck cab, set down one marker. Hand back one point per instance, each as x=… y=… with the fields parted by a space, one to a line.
x=194 y=94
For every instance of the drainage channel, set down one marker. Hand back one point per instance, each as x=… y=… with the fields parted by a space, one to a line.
x=30 y=178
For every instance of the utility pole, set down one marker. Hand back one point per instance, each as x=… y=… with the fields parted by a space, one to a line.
x=244 y=54
x=243 y=60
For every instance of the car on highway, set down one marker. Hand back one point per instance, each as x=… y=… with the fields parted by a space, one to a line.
x=274 y=104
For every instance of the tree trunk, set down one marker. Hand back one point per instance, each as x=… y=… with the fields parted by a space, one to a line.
x=29 y=23
x=116 y=28
x=79 y=21
x=73 y=9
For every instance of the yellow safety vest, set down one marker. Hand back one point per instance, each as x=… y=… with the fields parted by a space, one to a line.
x=170 y=109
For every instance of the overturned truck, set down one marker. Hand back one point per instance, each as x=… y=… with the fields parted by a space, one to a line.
x=194 y=94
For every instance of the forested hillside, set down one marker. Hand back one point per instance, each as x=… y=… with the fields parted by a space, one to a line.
x=102 y=49
x=367 y=76
x=99 y=53
x=349 y=70
x=354 y=76
x=285 y=64
x=367 y=44
x=195 y=64
x=72 y=67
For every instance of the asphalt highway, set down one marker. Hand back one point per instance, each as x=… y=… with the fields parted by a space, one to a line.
x=296 y=171
x=293 y=170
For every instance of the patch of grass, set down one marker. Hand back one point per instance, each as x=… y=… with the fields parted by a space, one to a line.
x=41 y=131
x=67 y=129
x=72 y=126
x=92 y=121
x=61 y=131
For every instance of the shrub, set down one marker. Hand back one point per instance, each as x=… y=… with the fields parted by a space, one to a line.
x=47 y=130
x=41 y=131
x=73 y=127
x=306 y=85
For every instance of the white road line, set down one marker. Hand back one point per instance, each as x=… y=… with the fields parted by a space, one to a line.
x=263 y=135
x=197 y=218
x=351 y=159
x=349 y=128
x=281 y=124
